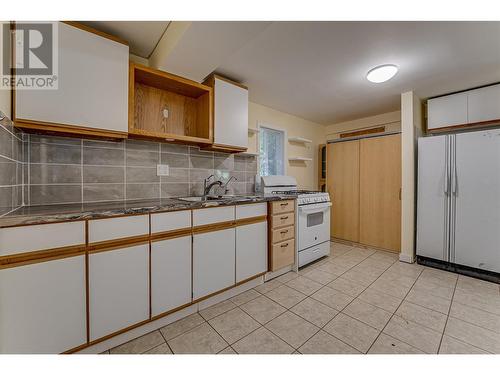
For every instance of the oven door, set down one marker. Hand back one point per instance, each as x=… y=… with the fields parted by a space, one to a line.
x=313 y=224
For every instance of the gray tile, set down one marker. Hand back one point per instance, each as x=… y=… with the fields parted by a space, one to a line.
x=134 y=144
x=347 y=286
x=142 y=158
x=239 y=163
x=199 y=175
x=177 y=149
x=262 y=341
x=379 y=299
x=103 y=156
x=250 y=188
x=201 y=162
x=287 y=277
x=469 y=284
x=251 y=164
x=103 y=192
x=391 y=288
x=174 y=190
x=324 y=343
x=142 y=191
x=224 y=162
x=304 y=285
x=263 y=309
x=176 y=175
x=181 y=326
x=234 y=325
x=103 y=174
x=228 y=350
x=141 y=174
x=140 y=344
x=103 y=144
x=245 y=297
x=52 y=153
x=51 y=139
x=50 y=194
x=195 y=188
x=386 y=344
x=477 y=336
x=421 y=315
x=291 y=328
x=353 y=332
x=414 y=334
x=332 y=298
x=475 y=316
x=160 y=349
x=200 y=340
x=5 y=199
x=450 y=345
x=8 y=172
x=314 y=311
x=175 y=160
x=369 y=314
x=439 y=304
x=55 y=174
x=481 y=301
x=193 y=150
x=217 y=309
x=286 y=296
x=268 y=286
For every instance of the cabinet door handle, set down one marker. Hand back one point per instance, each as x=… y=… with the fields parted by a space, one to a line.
x=284 y=204
x=284 y=231
x=284 y=245
x=399 y=193
x=284 y=217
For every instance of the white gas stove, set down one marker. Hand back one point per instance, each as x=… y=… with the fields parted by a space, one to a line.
x=312 y=217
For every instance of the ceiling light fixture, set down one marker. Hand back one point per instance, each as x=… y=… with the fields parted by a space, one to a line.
x=382 y=73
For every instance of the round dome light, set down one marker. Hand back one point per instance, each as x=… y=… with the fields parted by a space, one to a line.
x=382 y=73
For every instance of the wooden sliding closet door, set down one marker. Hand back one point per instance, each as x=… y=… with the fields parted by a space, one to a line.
x=379 y=194
x=343 y=185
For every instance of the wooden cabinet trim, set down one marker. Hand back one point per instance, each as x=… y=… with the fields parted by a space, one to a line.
x=161 y=236
x=117 y=244
x=32 y=257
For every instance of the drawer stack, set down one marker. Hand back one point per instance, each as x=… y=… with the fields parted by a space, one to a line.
x=282 y=234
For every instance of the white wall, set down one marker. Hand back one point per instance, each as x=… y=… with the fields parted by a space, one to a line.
x=411 y=126
x=5 y=105
x=306 y=173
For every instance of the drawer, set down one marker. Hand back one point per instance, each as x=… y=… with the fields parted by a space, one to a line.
x=118 y=227
x=251 y=210
x=213 y=215
x=28 y=238
x=282 y=234
x=280 y=207
x=283 y=254
x=283 y=220
x=168 y=221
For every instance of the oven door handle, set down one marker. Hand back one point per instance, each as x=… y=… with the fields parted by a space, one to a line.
x=318 y=208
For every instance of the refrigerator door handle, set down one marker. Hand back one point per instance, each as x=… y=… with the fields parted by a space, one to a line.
x=447 y=169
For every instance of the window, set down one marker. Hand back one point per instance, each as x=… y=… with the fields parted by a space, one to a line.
x=272 y=151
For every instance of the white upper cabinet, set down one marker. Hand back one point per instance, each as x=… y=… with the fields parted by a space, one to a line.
x=92 y=91
x=230 y=114
x=484 y=104
x=446 y=111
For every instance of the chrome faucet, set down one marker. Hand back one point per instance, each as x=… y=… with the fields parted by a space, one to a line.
x=226 y=190
x=207 y=188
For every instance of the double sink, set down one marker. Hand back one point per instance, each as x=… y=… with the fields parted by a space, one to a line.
x=215 y=198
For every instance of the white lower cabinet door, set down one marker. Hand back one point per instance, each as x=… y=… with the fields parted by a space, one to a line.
x=170 y=274
x=251 y=250
x=118 y=289
x=213 y=261
x=42 y=307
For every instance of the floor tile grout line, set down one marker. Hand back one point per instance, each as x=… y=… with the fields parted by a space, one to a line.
x=447 y=315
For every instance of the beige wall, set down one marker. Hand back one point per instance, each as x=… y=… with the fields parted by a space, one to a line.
x=5 y=94
x=411 y=126
x=306 y=173
x=391 y=121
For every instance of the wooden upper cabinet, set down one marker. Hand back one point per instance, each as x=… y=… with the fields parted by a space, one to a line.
x=230 y=114
x=168 y=107
x=92 y=93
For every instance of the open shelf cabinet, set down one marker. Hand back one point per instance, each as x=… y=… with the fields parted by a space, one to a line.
x=167 y=107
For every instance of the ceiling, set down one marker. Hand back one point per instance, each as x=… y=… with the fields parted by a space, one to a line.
x=141 y=35
x=316 y=70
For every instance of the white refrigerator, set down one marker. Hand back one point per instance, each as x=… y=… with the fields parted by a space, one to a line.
x=458 y=200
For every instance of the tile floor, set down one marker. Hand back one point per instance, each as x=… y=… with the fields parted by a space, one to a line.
x=356 y=301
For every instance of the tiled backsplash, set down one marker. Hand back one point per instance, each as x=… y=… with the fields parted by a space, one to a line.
x=72 y=170
x=11 y=167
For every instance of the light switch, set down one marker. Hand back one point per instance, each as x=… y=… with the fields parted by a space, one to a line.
x=162 y=170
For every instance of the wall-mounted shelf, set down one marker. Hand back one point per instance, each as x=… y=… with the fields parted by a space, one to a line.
x=299 y=140
x=299 y=159
x=253 y=131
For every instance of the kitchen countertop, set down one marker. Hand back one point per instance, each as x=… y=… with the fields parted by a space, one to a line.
x=29 y=215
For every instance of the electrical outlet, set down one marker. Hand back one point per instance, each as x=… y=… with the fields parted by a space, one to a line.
x=162 y=170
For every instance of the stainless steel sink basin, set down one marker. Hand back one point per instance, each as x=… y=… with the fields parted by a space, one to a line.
x=203 y=199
